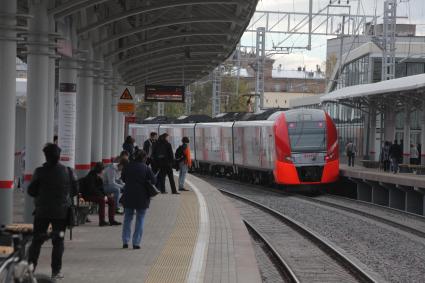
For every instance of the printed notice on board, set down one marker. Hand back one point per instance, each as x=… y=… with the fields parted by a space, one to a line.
x=67 y=122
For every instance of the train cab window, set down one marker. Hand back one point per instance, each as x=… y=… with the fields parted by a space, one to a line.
x=307 y=136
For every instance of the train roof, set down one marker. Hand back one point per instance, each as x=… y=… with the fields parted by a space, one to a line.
x=232 y=116
x=201 y=118
x=265 y=114
x=297 y=115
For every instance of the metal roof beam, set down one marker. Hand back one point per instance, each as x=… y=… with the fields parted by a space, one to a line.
x=72 y=7
x=150 y=9
x=200 y=20
x=166 y=70
x=163 y=38
x=180 y=60
x=120 y=62
x=168 y=75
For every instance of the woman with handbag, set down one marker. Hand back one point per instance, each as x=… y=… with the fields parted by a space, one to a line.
x=138 y=189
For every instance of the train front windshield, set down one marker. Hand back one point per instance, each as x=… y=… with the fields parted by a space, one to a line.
x=307 y=136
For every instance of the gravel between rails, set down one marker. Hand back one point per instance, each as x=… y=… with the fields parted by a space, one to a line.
x=305 y=258
x=394 y=256
x=270 y=268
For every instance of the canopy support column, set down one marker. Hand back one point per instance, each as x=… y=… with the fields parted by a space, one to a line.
x=37 y=94
x=372 y=135
x=389 y=123
x=84 y=113
x=423 y=134
x=97 y=108
x=406 y=135
x=7 y=108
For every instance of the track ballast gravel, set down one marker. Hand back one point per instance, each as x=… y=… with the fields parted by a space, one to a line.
x=394 y=256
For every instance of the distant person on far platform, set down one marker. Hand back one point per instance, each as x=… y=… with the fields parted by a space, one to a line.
x=414 y=155
x=112 y=181
x=148 y=146
x=385 y=156
x=129 y=146
x=163 y=157
x=91 y=187
x=184 y=160
x=136 y=197
x=350 y=151
x=395 y=155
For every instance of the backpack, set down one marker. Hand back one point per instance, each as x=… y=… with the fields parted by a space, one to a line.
x=179 y=155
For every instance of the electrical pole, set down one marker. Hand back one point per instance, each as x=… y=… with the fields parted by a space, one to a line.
x=260 y=58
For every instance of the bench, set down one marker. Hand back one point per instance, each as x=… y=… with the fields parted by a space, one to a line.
x=370 y=164
x=84 y=209
x=410 y=168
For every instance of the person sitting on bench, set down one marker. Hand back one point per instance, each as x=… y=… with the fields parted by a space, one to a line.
x=91 y=187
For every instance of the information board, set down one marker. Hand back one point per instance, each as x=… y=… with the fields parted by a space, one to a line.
x=160 y=93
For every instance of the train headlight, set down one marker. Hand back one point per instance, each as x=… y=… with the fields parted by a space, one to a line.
x=289 y=159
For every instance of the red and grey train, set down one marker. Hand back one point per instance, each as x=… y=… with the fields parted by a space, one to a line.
x=293 y=147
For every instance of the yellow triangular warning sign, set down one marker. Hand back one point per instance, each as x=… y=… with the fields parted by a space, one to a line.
x=126 y=95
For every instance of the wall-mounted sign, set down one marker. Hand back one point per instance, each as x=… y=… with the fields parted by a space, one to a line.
x=126 y=107
x=160 y=93
x=126 y=103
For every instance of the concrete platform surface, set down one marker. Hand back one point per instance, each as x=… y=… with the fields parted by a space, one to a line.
x=197 y=236
x=401 y=179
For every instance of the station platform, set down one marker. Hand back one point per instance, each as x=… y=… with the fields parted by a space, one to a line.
x=376 y=175
x=197 y=236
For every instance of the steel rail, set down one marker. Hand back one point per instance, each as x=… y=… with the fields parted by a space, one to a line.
x=322 y=243
x=284 y=269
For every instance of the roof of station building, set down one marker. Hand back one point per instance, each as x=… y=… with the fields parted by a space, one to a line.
x=402 y=85
x=160 y=41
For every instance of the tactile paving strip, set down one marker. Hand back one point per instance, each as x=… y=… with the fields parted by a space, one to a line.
x=173 y=264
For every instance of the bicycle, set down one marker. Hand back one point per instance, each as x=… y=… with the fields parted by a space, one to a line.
x=15 y=268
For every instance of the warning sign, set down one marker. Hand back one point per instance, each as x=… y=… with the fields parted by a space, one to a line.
x=126 y=95
x=126 y=107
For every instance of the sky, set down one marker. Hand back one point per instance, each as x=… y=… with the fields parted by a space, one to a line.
x=412 y=12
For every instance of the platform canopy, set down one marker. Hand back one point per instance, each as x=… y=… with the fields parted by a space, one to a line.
x=160 y=41
x=411 y=85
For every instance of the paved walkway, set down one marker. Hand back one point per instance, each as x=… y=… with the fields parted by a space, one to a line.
x=195 y=237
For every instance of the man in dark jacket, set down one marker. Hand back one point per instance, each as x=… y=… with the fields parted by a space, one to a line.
x=148 y=146
x=92 y=190
x=52 y=185
x=136 y=197
x=163 y=157
x=128 y=146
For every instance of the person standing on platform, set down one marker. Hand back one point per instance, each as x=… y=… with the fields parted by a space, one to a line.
x=148 y=146
x=414 y=154
x=351 y=150
x=163 y=158
x=52 y=186
x=184 y=161
x=136 y=197
x=395 y=155
x=385 y=156
x=128 y=146
x=92 y=190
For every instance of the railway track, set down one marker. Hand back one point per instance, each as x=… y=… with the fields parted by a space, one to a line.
x=285 y=271
x=391 y=217
x=386 y=220
x=310 y=258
